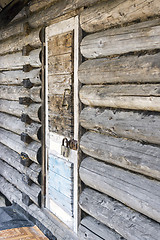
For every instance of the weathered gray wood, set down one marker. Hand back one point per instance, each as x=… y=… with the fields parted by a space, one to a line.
x=14 y=108
x=11 y=10
x=16 y=60
x=127 y=222
x=15 y=92
x=139 y=97
x=18 y=42
x=12 y=193
x=39 y=4
x=11 y=31
x=112 y=13
x=139 y=126
x=14 y=142
x=16 y=178
x=137 y=192
x=131 y=155
x=92 y=229
x=16 y=77
x=13 y=158
x=56 y=10
x=15 y=125
x=130 y=69
x=56 y=227
x=137 y=37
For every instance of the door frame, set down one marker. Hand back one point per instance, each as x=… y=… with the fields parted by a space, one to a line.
x=59 y=28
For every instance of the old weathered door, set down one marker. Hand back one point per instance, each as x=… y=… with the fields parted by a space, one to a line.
x=62 y=118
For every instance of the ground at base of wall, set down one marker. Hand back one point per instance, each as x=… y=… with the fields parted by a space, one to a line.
x=14 y=223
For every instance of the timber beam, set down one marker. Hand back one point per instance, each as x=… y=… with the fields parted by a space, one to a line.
x=11 y=10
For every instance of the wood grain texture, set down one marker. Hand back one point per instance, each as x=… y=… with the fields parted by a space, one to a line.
x=58 y=83
x=60 y=64
x=16 y=109
x=125 y=221
x=137 y=37
x=36 y=5
x=66 y=203
x=61 y=167
x=60 y=44
x=15 y=125
x=29 y=233
x=13 y=158
x=11 y=30
x=15 y=92
x=57 y=10
x=12 y=193
x=140 y=126
x=16 y=60
x=135 y=191
x=138 y=97
x=92 y=229
x=130 y=69
x=14 y=142
x=16 y=178
x=116 y=13
x=16 y=77
x=53 y=224
x=131 y=155
x=18 y=42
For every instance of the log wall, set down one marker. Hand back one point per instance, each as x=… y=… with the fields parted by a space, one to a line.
x=120 y=117
x=21 y=106
x=120 y=93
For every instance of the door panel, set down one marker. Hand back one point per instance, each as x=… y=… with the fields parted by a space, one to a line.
x=61 y=112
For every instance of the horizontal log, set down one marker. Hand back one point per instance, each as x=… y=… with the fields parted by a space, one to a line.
x=138 y=97
x=56 y=10
x=112 y=13
x=13 y=158
x=16 y=92
x=16 y=60
x=8 y=190
x=16 y=77
x=16 y=178
x=52 y=224
x=15 y=125
x=39 y=4
x=14 y=108
x=137 y=37
x=13 y=141
x=135 y=191
x=92 y=229
x=131 y=155
x=18 y=42
x=11 y=31
x=138 y=126
x=130 y=69
x=125 y=221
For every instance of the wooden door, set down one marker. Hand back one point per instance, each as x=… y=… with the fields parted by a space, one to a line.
x=62 y=54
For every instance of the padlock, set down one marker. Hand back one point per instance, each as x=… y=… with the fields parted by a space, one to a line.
x=65 y=148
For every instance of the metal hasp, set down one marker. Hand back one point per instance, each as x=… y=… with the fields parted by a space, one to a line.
x=73 y=144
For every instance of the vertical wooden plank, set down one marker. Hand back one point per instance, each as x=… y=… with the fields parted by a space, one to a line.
x=77 y=38
x=46 y=135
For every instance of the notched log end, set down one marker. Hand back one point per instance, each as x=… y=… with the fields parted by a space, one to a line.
x=26 y=199
x=27 y=180
x=25 y=160
x=26 y=138
x=25 y=101
x=27 y=83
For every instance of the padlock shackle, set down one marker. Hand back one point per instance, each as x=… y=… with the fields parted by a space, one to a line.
x=65 y=140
